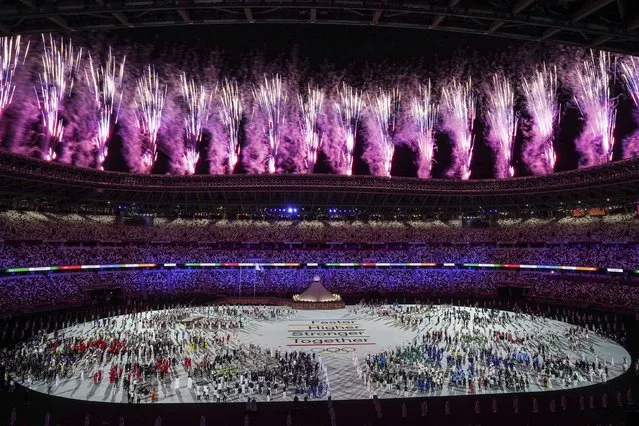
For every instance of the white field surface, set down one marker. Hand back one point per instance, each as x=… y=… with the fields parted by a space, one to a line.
x=342 y=338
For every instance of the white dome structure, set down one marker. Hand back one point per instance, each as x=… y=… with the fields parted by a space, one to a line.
x=316 y=292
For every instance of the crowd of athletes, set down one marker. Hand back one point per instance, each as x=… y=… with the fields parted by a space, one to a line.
x=471 y=351
x=146 y=355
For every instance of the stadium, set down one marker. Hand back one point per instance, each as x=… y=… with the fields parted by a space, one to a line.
x=268 y=213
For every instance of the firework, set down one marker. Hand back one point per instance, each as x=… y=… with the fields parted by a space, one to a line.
x=10 y=55
x=349 y=108
x=502 y=123
x=197 y=103
x=105 y=83
x=630 y=75
x=149 y=102
x=540 y=93
x=271 y=98
x=424 y=114
x=311 y=108
x=541 y=99
x=386 y=109
x=231 y=116
x=60 y=68
x=458 y=113
x=592 y=96
x=76 y=124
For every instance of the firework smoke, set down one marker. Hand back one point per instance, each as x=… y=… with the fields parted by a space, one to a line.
x=592 y=96
x=386 y=109
x=105 y=84
x=540 y=92
x=60 y=68
x=458 y=117
x=349 y=107
x=231 y=117
x=197 y=103
x=10 y=58
x=271 y=98
x=502 y=124
x=630 y=76
x=424 y=114
x=149 y=103
x=310 y=109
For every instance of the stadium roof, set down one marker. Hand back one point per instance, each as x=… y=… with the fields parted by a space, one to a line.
x=607 y=24
x=26 y=179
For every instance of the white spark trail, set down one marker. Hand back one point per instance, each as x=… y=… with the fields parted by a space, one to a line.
x=271 y=97
x=106 y=85
x=386 y=108
x=197 y=103
x=592 y=96
x=424 y=112
x=502 y=124
x=231 y=117
x=311 y=107
x=540 y=92
x=348 y=107
x=10 y=61
x=458 y=113
x=149 y=102
x=60 y=65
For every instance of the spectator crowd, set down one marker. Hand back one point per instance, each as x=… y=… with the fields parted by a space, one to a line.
x=614 y=229
x=44 y=239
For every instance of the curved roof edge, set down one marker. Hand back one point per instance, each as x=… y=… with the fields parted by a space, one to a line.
x=27 y=178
